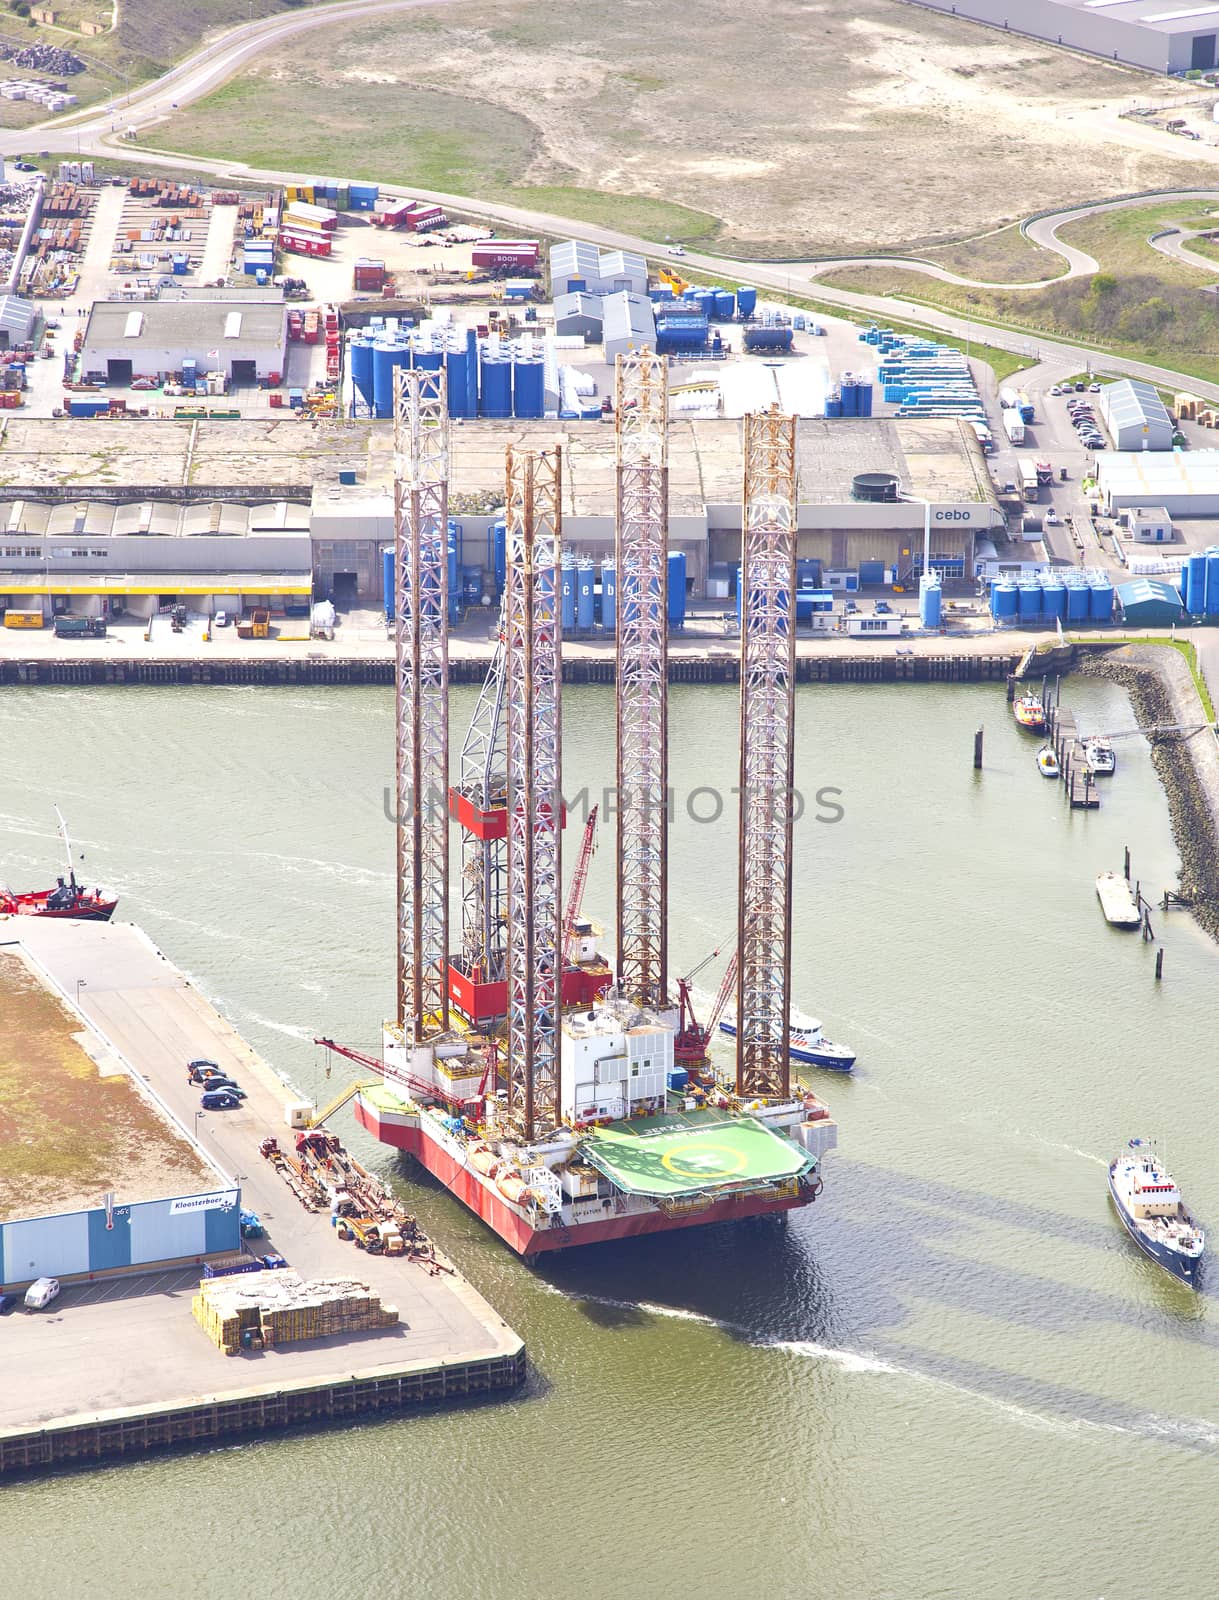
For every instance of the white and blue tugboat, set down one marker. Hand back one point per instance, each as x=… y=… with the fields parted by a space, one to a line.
x=1153 y=1213
x=807 y=1043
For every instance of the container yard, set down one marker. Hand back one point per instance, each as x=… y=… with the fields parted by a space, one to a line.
x=341 y=1330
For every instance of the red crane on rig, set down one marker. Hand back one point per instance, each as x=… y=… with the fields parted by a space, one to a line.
x=575 y=894
x=692 y=1040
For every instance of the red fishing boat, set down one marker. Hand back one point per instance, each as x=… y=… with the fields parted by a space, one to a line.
x=67 y=899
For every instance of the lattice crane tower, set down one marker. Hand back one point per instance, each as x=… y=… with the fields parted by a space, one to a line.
x=768 y=660
x=421 y=650
x=532 y=677
x=483 y=766
x=641 y=413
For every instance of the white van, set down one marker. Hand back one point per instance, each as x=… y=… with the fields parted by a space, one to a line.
x=40 y=1293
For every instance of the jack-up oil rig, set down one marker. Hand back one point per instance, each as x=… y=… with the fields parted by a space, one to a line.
x=588 y=1128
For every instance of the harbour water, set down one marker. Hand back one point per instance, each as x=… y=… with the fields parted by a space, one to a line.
x=951 y=1376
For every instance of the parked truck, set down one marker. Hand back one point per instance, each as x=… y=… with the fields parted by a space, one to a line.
x=1013 y=426
x=1030 y=482
x=1025 y=407
x=1045 y=473
x=80 y=628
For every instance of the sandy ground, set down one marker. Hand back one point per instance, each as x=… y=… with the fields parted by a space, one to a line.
x=794 y=112
x=72 y=1125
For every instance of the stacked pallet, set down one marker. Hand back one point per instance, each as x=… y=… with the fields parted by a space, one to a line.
x=280 y=1308
x=65 y=200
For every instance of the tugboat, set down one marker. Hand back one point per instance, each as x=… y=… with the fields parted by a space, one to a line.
x=1101 y=757
x=1030 y=713
x=1047 y=762
x=1154 y=1215
x=67 y=899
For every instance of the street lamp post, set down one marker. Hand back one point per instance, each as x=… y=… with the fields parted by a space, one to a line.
x=81 y=983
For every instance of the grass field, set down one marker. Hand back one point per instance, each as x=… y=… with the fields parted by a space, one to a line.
x=1005 y=256
x=1141 y=304
x=66 y=1133
x=796 y=130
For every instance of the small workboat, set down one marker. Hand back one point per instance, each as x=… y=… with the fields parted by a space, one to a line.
x=807 y=1043
x=1101 y=757
x=1153 y=1213
x=68 y=899
x=1047 y=762
x=1030 y=713
x=1118 y=901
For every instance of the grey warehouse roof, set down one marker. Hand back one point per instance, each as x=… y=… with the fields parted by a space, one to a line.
x=628 y=316
x=167 y=324
x=95 y=519
x=16 y=318
x=1131 y=401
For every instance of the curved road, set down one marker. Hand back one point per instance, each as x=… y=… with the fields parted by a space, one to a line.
x=91 y=132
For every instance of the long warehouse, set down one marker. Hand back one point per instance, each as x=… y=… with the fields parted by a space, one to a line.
x=1156 y=34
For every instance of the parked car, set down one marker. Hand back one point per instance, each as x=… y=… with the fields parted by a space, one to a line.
x=8 y=1303
x=220 y=620
x=219 y=1100
x=883 y=608
x=1094 y=388
x=1057 y=389
x=850 y=608
x=40 y=1293
x=218 y=1081
x=1080 y=387
x=202 y=1068
x=25 y=166
x=1052 y=519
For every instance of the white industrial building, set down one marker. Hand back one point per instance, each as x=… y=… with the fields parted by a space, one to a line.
x=1160 y=36
x=628 y=324
x=1136 y=417
x=578 y=316
x=576 y=267
x=245 y=339
x=1182 y=484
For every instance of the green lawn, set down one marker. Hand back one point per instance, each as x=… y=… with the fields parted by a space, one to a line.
x=1002 y=257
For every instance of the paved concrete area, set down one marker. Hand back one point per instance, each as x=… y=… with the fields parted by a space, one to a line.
x=133 y=1342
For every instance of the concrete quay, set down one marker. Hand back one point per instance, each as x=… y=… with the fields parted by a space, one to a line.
x=117 y=1365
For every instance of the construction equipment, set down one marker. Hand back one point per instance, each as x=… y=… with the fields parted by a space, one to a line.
x=432 y=1091
x=768 y=705
x=674 y=281
x=692 y=1041
x=575 y=894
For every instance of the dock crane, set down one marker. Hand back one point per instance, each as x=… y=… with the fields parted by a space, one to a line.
x=419 y=1086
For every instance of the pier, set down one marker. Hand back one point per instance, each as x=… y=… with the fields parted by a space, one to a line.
x=117 y=1365
x=1078 y=779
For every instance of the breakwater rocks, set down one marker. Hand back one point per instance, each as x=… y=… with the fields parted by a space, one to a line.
x=1162 y=692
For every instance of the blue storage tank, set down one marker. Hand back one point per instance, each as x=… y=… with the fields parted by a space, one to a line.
x=1100 y=601
x=1029 y=600
x=1054 y=597
x=427 y=360
x=746 y=300
x=863 y=396
x=609 y=596
x=1194 y=576
x=768 y=338
x=586 y=581
x=386 y=355
x=725 y=305
x=471 y=586
x=456 y=364
x=567 y=593
x=1005 y=601
x=677 y=588
x=495 y=385
x=833 y=406
x=471 y=373
x=387 y=581
x=528 y=391
x=499 y=547
x=1078 y=598
x=1212 y=581
x=930 y=601
x=454 y=581
x=850 y=397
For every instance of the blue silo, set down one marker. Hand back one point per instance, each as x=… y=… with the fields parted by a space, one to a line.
x=1212 y=581
x=499 y=558
x=863 y=398
x=528 y=392
x=1029 y=600
x=930 y=600
x=451 y=539
x=609 y=596
x=495 y=397
x=471 y=373
x=387 y=581
x=677 y=588
x=386 y=355
x=1054 y=597
x=1078 y=598
x=725 y=305
x=1100 y=600
x=567 y=592
x=746 y=300
x=586 y=582
x=456 y=362
x=426 y=357
x=1005 y=601
x=361 y=350
x=1194 y=576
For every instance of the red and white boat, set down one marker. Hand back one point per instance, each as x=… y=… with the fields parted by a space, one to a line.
x=68 y=899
